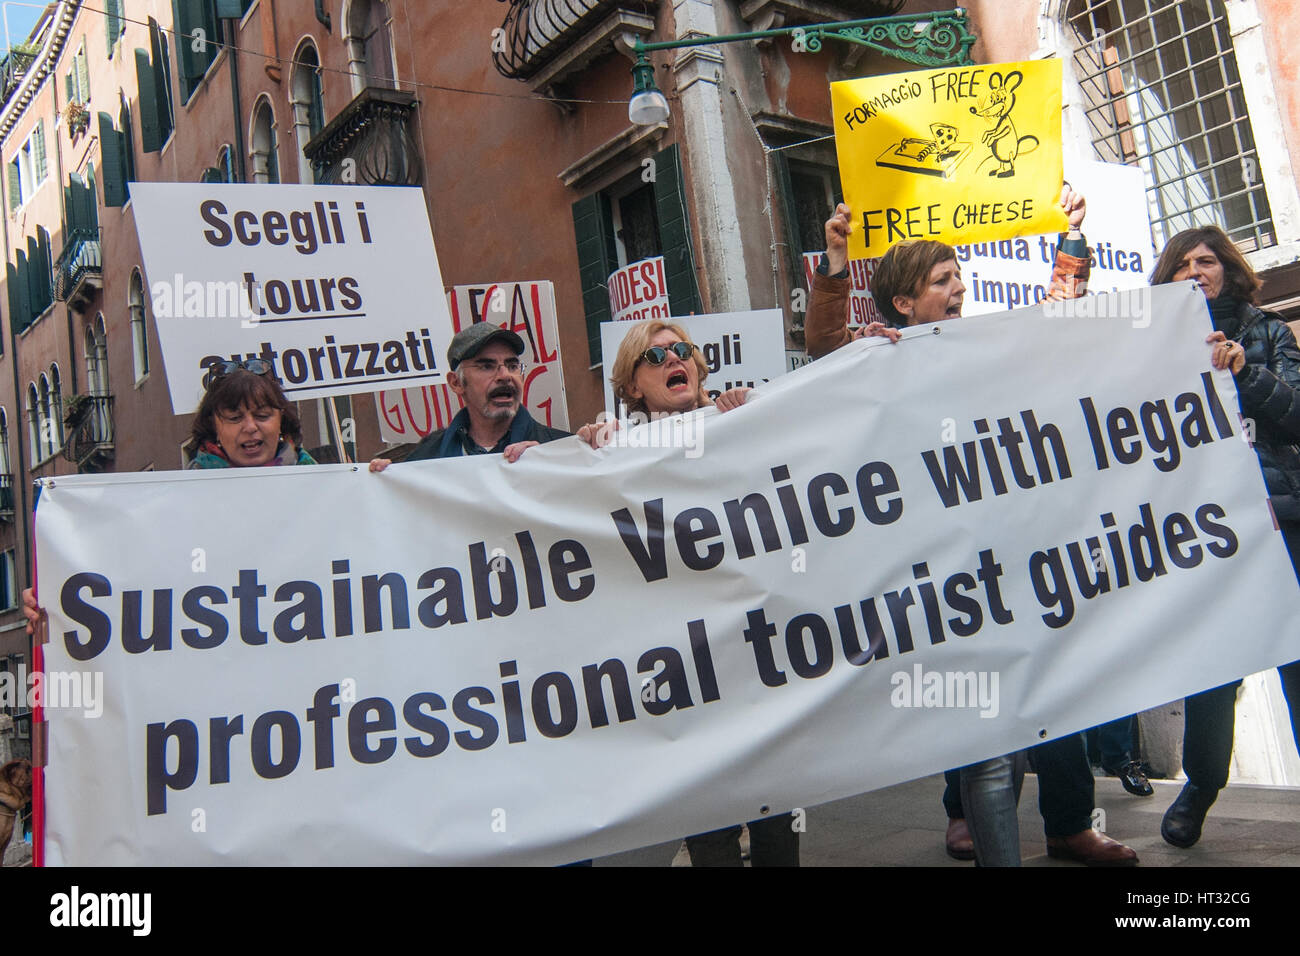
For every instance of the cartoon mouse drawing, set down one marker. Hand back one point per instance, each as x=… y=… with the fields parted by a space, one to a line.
x=1002 y=141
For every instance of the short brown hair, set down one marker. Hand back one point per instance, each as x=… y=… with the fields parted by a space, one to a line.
x=239 y=389
x=1239 y=278
x=634 y=343
x=905 y=270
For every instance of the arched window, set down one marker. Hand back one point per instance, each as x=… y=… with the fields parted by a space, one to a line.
x=139 y=330
x=6 y=467
x=266 y=163
x=97 y=357
x=56 y=408
x=34 y=423
x=45 y=416
x=369 y=38
x=308 y=105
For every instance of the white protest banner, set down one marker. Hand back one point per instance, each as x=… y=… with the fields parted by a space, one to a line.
x=741 y=349
x=527 y=308
x=638 y=291
x=316 y=280
x=1014 y=272
x=855 y=584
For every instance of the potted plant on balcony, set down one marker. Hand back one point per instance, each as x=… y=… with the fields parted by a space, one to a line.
x=77 y=116
x=75 y=409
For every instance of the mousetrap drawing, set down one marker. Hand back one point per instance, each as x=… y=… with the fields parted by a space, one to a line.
x=939 y=156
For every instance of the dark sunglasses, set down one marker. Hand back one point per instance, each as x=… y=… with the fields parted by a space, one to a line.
x=658 y=354
x=257 y=366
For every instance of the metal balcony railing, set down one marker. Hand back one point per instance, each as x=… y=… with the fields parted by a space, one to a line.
x=90 y=432
x=371 y=142
x=6 y=496
x=79 y=271
x=536 y=31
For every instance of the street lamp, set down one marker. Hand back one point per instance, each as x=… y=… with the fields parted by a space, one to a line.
x=931 y=39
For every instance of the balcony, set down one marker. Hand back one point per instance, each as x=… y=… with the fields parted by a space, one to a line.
x=370 y=143
x=79 y=271
x=547 y=40
x=89 y=429
x=6 y=497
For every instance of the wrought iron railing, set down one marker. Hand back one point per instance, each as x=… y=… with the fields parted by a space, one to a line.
x=371 y=142
x=81 y=259
x=6 y=495
x=90 y=431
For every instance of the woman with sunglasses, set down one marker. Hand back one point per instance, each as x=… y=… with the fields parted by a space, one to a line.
x=660 y=372
x=245 y=421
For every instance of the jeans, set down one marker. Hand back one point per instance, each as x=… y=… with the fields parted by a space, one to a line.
x=1116 y=742
x=990 y=791
x=773 y=841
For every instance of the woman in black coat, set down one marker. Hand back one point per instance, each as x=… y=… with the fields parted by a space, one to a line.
x=1261 y=351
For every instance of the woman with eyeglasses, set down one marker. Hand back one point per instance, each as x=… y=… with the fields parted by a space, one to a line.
x=245 y=421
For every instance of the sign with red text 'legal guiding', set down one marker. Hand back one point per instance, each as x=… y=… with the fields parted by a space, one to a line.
x=638 y=291
x=525 y=308
x=316 y=280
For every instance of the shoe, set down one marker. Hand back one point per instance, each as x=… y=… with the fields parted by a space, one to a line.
x=1133 y=778
x=958 y=842
x=1092 y=848
x=1186 y=815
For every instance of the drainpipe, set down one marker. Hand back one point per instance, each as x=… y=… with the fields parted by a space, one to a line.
x=232 y=49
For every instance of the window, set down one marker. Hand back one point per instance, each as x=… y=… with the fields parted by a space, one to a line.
x=28 y=168
x=6 y=468
x=308 y=106
x=197 y=33
x=266 y=162
x=56 y=409
x=153 y=76
x=35 y=425
x=368 y=34
x=77 y=82
x=139 y=330
x=97 y=357
x=1164 y=93
x=8 y=581
x=117 y=155
x=612 y=226
x=114 y=25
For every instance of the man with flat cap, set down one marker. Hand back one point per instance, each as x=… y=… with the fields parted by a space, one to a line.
x=486 y=373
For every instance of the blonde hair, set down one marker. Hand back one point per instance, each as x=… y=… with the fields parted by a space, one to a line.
x=637 y=341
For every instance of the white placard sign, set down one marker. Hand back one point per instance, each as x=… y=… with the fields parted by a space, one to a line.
x=526 y=308
x=468 y=661
x=1015 y=272
x=318 y=280
x=740 y=348
x=638 y=291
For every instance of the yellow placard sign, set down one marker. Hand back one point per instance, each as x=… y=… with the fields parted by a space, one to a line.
x=963 y=154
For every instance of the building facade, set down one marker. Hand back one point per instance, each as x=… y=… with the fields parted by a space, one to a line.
x=512 y=118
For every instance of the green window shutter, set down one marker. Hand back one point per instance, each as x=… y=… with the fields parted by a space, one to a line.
x=161 y=79
x=110 y=159
x=188 y=17
x=230 y=9
x=596 y=260
x=113 y=23
x=15 y=187
x=23 y=314
x=211 y=175
x=38 y=153
x=45 y=250
x=11 y=286
x=69 y=209
x=150 y=139
x=83 y=77
x=69 y=87
x=675 y=233
x=35 y=303
x=89 y=214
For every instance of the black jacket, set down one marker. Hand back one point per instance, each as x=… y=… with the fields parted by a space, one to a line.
x=450 y=442
x=1269 y=387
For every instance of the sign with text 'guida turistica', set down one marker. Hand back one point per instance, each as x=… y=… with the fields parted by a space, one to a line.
x=321 y=281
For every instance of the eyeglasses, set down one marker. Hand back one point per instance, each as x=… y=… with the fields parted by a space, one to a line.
x=658 y=354
x=489 y=366
x=257 y=366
